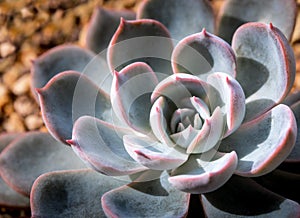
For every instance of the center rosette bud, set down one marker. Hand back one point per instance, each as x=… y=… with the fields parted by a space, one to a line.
x=187 y=113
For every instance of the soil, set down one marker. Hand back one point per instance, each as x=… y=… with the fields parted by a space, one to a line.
x=27 y=29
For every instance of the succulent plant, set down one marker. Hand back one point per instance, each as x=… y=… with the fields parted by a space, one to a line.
x=163 y=126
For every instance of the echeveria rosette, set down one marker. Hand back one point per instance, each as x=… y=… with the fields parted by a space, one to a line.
x=112 y=156
x=205 y=109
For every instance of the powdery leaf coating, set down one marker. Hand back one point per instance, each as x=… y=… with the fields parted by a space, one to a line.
x=237 y=12
x=131 y=90
x=152 y=154
x=263 y=53
x=68 y=96
x=244 y=197
x=232 y=95
x=65 y=58
x=264 y=143
x=203 y=53
x=160 y=115
x=79 y=193
x=30 y=149
x=101 y=146
x=200 y=176
x=8 y=196
x=162 y=200
x=182 y=18
x=141 y=40
x=102 y=27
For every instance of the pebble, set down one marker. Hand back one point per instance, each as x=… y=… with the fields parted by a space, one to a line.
x=26 y=13
x=25 y=106
x=22 y=85
x=4 y=95
x=12 y=74
x=6 y=49
x=14 y=123
x=33 y=122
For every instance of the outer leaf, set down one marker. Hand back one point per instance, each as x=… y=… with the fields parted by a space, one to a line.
x=235 y=13
x=263 y=53
x=36 y=153
x=67 y=57
x=155 y=198
x=264 y=143
x=182 y=18
x=201 y=174
x=102 y=27
x=242 y=197
x=152 y=154
x=131 y=90
x=68 y=194
x=141 y=40
x=100 y=145
x=67 y=97
x=9 y=197
x=203 y=53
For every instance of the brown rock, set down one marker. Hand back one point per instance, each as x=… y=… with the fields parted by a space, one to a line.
x=14 y=124
x=25 y=106
x=6 y=49
x=22 y=85
x=33 y=122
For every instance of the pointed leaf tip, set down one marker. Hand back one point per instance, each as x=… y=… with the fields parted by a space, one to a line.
x=204 y=32
x=39 y=91
x=71 y=142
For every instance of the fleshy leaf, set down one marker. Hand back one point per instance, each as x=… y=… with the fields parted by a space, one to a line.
x=204 y=173
x=261 y=145
x=282 y=183
x=180 y=86
x=182 y=18
x=242 y=197
x=102 y=27
x=232 y=97
x=36 y=153
x=68 y=57
x=9 y=197
x=201 y=54
x=265 y=61
x=235 y=13
x=153 y=154
x=141 y=40
x=155 y=198
x=160 y=116
x=100 y=145
x=68 y=194
x=131 y=91
x=69 y=96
